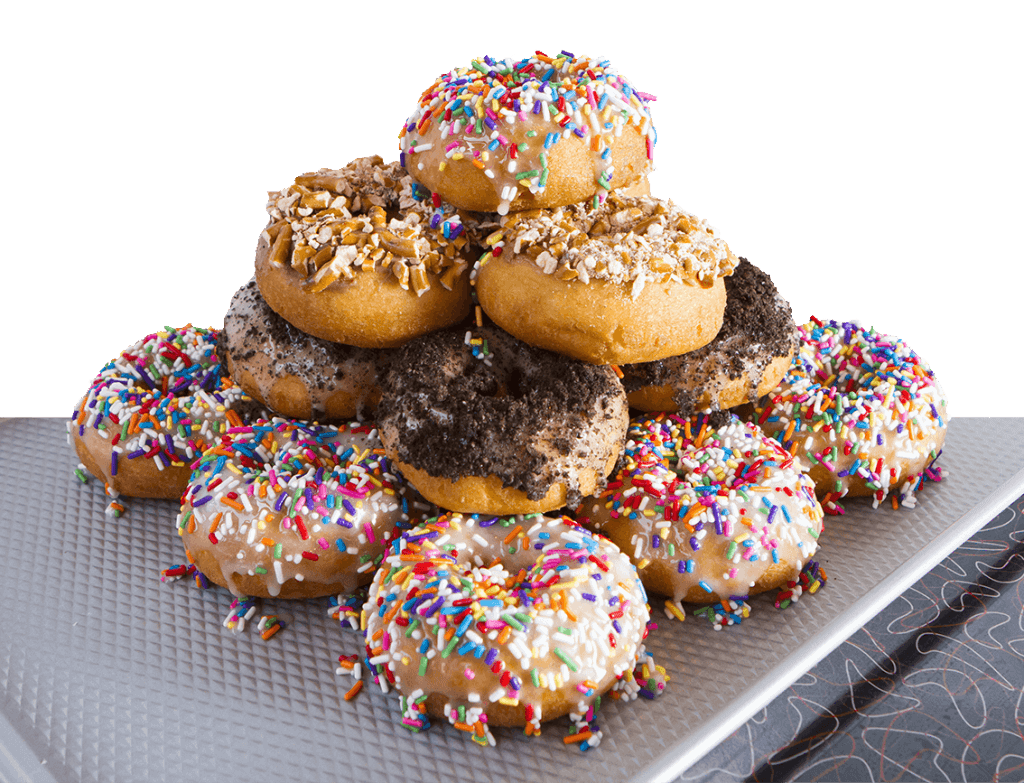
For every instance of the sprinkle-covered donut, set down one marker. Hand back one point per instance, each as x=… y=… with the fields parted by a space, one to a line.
x=289 y=509
x=358 y=256
x=747 y=358
x=490 y=621
x=293 y=373
x=862 y=409
x=633 y=280
x=478 y=421
x=501 y=135
x=152 y=410
x=707 y=508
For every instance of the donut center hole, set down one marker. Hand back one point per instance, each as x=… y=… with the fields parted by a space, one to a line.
x=509 y=386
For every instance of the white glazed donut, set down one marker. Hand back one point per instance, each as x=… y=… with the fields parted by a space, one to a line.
x=504 y=621
x=708 y=508
x=863 y=411
x=290 y=509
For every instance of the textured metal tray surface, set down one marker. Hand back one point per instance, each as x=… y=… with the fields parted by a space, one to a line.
x=108 y=674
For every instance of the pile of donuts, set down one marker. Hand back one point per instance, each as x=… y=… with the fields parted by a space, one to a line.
x=510 y=391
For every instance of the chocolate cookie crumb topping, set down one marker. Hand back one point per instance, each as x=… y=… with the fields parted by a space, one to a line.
x=483 y=403
x=757 y=327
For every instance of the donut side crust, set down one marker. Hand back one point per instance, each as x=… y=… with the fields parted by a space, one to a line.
x=599 y=322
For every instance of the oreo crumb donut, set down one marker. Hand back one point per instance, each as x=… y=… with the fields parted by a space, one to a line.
x=633 y=280
x=287 y=509
x=505 y=135
x=152 y=410
x=746 y=360
x=478 y=421
x=488 y=621
x=707 y=508
x=357 y=256
x=293 y=373
x=863 y=410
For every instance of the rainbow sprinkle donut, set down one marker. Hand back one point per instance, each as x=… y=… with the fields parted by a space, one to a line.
x=863 y=410
x=152 y=410
x=501 y=135
x=289 y=509
x=708 y=509
x=504 y=621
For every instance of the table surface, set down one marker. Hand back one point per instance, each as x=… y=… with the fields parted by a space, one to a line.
x=931 y=688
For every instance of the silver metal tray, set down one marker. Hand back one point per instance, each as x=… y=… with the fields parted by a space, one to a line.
x=106 y=673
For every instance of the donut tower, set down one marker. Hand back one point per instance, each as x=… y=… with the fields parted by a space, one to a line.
x=449 y=373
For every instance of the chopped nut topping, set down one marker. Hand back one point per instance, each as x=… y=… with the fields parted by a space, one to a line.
x=634 y=240
x=333 y=223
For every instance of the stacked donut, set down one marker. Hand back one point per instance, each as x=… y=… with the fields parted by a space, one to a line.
x=482 y=425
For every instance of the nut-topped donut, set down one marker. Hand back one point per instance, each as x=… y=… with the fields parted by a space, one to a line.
x=635 y=279
x=352 y=255
x=293 y=373
x=478 y=421
x=501 y=135
x=746 y=360
x=153 y=409
x=491 y=621
x=862 y=409
x=282 y=508
x=708 y=508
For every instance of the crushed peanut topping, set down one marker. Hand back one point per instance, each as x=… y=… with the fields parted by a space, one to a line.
x=334 y=223
x=626 y=240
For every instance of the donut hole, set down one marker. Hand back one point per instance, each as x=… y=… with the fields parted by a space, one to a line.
x=473 y=381
x=512 y=386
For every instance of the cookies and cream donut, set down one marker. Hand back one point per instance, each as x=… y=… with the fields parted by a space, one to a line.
x=358 y=256
x=282 y=508
x=506 y=135
x=746 y=360
x=293 y=373
x=153 y=409
x=489 y=621
x=635 y=279
x=707 y=508
x=862 y=410
x=481 y=422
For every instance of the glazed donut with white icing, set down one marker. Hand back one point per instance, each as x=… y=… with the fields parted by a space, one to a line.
x=287 y=509
x=489 y=621
x=293 y=373
x=359 y=256
x=862 y=410
x=635 y=279
x=478 y=421
x=708 y=508
x=746 y=360
x=152 y=410
x=506 y=135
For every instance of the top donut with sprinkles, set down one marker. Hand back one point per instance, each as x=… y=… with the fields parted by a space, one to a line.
x=514 y=122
